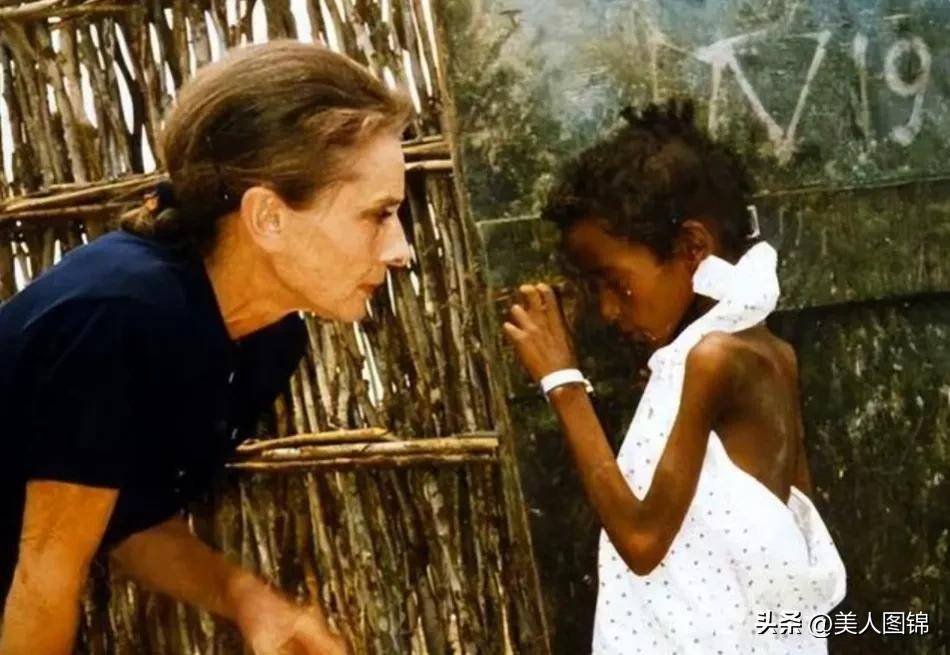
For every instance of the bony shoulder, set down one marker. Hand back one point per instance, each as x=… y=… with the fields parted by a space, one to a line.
x=741 y=354
x=714 y=351
x=717 y=361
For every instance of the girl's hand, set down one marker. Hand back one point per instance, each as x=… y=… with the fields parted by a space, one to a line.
x=537 y=330
x=272 y=625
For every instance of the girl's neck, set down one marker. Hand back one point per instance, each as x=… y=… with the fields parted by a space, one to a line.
x=699 y=306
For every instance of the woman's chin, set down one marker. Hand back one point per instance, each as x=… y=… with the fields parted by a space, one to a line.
x=352 y=312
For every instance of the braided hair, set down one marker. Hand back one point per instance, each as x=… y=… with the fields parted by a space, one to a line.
x=656 y=171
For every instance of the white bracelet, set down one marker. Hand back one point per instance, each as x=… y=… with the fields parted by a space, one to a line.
x=557 y=379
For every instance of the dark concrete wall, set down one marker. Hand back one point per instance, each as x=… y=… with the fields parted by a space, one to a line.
x=842 y=110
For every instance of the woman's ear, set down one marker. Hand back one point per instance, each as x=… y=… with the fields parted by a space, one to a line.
x=260 y=211
x=694 y=242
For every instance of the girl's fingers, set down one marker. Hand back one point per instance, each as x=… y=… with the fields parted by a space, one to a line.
x=532 y=298
x=551 y=304
x=521 y=318
x=514 y=332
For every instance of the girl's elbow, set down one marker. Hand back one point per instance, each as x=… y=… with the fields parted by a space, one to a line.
x=643 y=565
x=642 y=553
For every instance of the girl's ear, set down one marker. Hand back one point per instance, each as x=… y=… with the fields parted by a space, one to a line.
x=693 y=243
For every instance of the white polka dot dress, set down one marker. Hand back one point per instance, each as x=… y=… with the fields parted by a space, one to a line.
x=740 y=551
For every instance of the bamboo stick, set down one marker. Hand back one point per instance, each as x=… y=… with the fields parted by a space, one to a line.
x=430 y=166
x=7 y=281
x=109 y=132
x=25 y=173
x=200 y=39
x=148 y=86
x=335 y=436
x=40 y=9
x=125 y=188
x=33 y=105
x=74 y=193
x=375 y=448
x=419 y=460
x=432 y=147
x=87 y=11
x=110 y=208
x=29 y=10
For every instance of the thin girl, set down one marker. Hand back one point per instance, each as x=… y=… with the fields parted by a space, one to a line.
x=710 y=543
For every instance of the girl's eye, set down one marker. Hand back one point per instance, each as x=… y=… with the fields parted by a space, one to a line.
x=617 y=285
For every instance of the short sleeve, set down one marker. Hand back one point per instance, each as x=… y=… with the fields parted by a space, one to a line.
x=89 y=373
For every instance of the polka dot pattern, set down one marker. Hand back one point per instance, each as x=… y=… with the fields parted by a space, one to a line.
x=740 y=551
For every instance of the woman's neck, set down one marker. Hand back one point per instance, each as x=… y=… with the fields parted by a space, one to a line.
x=248 y=293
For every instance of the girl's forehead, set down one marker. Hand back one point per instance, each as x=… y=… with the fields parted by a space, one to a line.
x=589 y=245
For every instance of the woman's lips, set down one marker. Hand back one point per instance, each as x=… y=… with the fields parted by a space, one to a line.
x=369 y=289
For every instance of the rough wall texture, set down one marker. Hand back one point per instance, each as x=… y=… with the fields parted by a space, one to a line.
x=843 y=112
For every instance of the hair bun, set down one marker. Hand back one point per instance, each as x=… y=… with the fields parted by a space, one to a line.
x=160 y=197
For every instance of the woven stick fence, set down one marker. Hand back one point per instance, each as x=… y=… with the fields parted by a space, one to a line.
x=384 y=483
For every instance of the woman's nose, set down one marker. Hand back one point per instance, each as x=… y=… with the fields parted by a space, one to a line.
x=395 y=252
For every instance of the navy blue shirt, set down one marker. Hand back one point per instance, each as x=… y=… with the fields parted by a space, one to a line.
x=116 y=370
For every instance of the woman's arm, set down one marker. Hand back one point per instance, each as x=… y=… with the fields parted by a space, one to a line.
x=63 y=524
x=641 y=531
x=169 y=559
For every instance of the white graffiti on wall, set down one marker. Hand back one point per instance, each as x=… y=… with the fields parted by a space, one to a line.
x=722 y=56
x=904 y=134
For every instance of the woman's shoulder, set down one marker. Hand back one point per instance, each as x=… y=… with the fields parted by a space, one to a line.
x=117 y=270
x=112 y=286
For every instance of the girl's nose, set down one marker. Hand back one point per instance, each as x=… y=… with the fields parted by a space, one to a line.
x=609 y=306
x=395 y=252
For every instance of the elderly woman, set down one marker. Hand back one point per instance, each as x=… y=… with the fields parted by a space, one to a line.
x=132 y=369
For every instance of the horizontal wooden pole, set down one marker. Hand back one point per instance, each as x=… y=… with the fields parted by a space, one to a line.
x=79 y=211
x=316 y=438
x=437 y=149
x=81 y=194
x=43 y=9
x=367 y=463
x=307 y=452
x=429 y=166
x=431 y=155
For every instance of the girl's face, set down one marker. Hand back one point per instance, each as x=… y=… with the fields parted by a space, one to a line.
x=644 y=297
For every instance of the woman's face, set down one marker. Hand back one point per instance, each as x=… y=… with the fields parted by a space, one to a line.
x=335 y=254
x=644 y=297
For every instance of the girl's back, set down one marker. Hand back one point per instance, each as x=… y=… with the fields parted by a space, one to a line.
x=761 y=428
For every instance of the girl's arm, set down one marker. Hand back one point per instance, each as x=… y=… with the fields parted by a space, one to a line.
x=641 y=531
